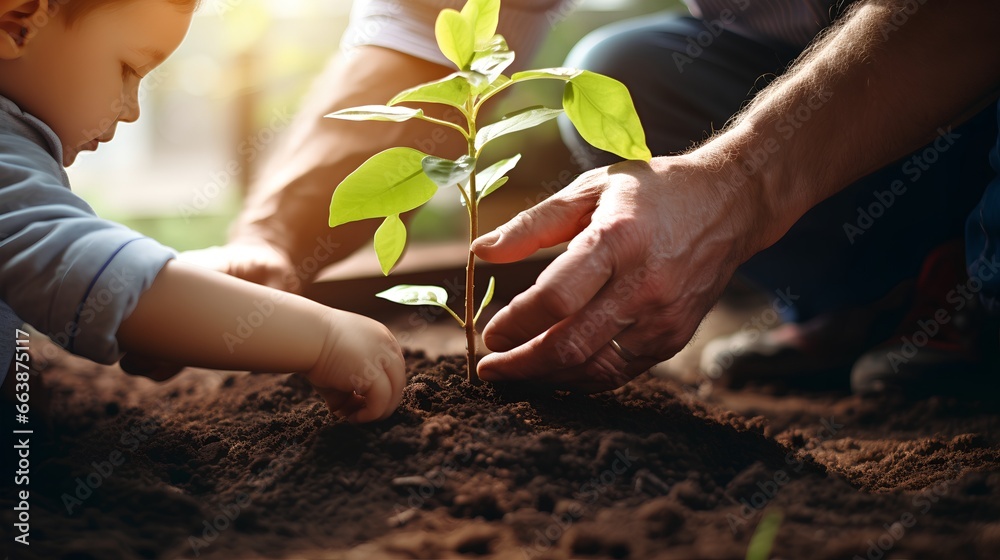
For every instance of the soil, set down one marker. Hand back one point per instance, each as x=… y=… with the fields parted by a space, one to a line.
x=238 y=465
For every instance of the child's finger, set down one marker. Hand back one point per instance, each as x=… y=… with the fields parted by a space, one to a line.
x=342 y=404
x=378 y=396
x=335 y=400
x=354 y=404
x=396 y=373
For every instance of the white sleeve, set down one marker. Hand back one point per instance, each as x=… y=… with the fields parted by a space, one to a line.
x=407 y=26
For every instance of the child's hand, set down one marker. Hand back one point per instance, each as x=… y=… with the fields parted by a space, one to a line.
x=360 y=372
x=195 y=316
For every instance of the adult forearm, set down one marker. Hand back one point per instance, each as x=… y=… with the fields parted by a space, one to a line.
x=887 y=79
x=290 y=201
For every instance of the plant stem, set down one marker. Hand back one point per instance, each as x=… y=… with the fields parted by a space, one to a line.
x=470 y=276
x=442 y=123
x=485 y=98
x=470 y=268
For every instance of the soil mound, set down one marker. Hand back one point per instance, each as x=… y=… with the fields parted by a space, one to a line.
x=227 y=465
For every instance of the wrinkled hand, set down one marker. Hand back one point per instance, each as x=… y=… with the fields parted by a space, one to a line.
x=653 y=246
x=255 y=262
x=360 y=372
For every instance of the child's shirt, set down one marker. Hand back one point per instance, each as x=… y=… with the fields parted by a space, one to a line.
x=64 y=271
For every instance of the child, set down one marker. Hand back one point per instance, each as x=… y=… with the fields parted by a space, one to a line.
x=69 y=72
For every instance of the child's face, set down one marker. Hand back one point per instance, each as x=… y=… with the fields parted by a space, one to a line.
x=87 y=75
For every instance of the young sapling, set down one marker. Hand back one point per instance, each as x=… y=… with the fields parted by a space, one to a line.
x=398 y=180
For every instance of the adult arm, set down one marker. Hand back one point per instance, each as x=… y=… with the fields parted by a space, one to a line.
x=281 y=238
x=654 y=245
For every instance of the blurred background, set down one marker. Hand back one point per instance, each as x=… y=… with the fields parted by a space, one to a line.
x=211 y=111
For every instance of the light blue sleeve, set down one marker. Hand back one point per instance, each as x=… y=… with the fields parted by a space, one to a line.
x=71 y=275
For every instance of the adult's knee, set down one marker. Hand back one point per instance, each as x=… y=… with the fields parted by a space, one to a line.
x=620 y=50
x=677 y=102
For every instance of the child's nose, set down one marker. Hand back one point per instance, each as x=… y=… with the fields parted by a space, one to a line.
x=130 y=113
x=130 y=109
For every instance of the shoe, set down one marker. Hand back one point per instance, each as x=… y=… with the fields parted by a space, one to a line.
x=938 y=348
x=816 y=354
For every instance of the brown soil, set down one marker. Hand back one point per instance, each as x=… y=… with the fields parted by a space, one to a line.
x=229 y=465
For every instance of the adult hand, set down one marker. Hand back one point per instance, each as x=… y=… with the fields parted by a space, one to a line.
x=256 y=262
x=653 y=246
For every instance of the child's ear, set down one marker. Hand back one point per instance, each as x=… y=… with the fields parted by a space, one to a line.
x=19 y=21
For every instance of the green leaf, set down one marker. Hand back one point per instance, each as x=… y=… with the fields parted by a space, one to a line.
x=564 y=74
x=485 y=16
x=445 y=172
x=390 y=239
x=763 y=537
x=486 y=299
x=455 y=37
x=514 y=122
x=492 y=61
x=492 y=65
x=477 y=82
x=376 y=113
x=602 y=111
x=451 y=90
x=493 y=177
x=408 y=294
x=500 y=82
x=496 y=44
x=494 y=186
x=390 y=182
x=420 y=295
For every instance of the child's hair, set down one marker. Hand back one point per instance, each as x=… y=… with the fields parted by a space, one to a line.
x=73 y=10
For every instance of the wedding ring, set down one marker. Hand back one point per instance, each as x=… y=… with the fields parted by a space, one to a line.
x=622 y=353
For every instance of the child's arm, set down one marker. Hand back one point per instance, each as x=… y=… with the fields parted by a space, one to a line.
x=76 y=277
x=203 y=318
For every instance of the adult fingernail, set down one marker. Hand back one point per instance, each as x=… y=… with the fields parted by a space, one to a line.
x=488 y=240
